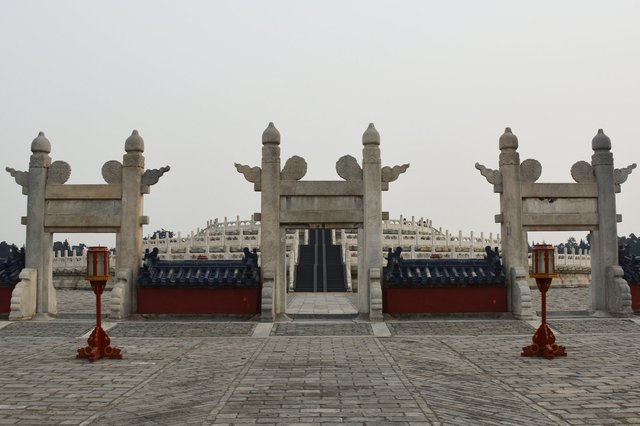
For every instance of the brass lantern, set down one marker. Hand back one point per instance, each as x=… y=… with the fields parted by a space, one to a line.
x=543 y=261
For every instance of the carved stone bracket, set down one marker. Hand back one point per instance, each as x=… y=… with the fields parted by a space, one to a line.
x=112 y=172
x=620 y=175
x=21 y=178
x=493 y=176
x=348 y=168
x=59 y=172
x=618 y=292
x=251 y=174
x=390 y=174
x=294 y=169
x=120 y=305
x=151 y=177
x=582 y=172
x=530 y=170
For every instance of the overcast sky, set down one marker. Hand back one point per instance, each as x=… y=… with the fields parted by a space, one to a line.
x=201 y=80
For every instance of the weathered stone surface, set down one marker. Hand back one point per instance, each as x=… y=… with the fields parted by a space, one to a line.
x=295 y=168
x=390 y=174
x=251 y=174
x=530 y=170
x=59 y=172
x=348 y=168
x=620 y=175
x=21 y=178
x=582 y=172
x=493 y=176
x=23 y=298
x=112 y=172
x=152 y=176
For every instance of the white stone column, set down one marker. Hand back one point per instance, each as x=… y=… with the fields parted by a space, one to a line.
x=129 y=241
x=39 y=244
x=603 y=292
x=372 y=206
x=270 y=229
x=514 y=248
x=281 y=283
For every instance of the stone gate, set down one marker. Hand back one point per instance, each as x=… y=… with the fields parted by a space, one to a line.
x=588 y=204
x=53 y=206
x=354 y=202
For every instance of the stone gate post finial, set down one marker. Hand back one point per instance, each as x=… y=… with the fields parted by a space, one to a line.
x=371 y=136
x=508 y=140
x=271 y=135
x=601 y=141
x=134 y=143
x=41 y=144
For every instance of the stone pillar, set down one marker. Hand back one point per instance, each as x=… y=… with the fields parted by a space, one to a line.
x=39 y=244
x=372 y=227
x=606 y=238
x=129 y=239
x=270 y=229
x=281 y=284
x=514 y=247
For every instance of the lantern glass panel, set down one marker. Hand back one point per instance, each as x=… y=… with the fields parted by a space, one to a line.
x=90 y=269
x=552 y=267
x=540 y=262
x=100 y=265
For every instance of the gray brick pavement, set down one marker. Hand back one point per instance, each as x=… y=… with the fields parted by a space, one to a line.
x=450 y=377
x=459 y=371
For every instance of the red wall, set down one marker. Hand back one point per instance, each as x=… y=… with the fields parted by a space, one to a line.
x=635 y=296
x=173 y=300
x=444 y=300
x=5 y=299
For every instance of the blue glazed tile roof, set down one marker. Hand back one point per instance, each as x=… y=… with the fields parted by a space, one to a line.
x=196 y=273
x=444 y=273
x=10 y=271
x=631 y=267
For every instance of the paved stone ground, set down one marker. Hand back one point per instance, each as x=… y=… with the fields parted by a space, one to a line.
x=465 y=372
x=458 y=371
x=321 y=303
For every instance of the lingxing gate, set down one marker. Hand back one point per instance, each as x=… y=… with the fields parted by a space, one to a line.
x=53 y=206
x=354 y=202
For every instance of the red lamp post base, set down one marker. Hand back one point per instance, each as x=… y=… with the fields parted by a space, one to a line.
x=98 y=343
x=544 y=344
x=543 y=341
x=99 y=346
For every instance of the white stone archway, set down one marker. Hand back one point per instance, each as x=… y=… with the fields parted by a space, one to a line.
x=354 y=202
x=114 y=207
x=587 y=204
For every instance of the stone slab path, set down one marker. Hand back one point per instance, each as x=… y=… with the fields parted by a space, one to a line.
x=466 y=372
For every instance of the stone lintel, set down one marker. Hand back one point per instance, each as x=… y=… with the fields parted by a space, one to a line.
x=321 y=216
x=82 y=230
x=561 y=221
x=85 y=221
x=321 y=188
x=559 y=190
x=83 y=192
